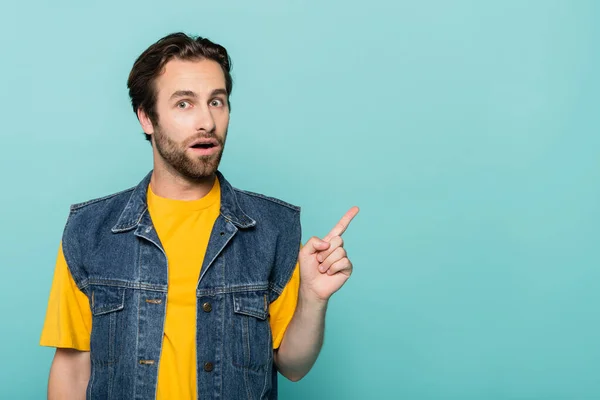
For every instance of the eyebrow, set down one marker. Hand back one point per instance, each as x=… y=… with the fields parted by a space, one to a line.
x=192 y=94
x=218 y=92
x=183 y=93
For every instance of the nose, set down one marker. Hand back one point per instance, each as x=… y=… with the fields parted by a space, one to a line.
x=204 y=119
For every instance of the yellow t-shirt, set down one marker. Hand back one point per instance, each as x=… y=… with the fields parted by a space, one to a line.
x=183 y=228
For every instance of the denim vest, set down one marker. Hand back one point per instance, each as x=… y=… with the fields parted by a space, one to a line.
x=116 y=259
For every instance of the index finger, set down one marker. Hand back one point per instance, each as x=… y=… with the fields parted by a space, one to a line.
x=342 y=225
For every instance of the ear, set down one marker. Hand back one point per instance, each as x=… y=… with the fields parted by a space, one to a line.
x=145 y=121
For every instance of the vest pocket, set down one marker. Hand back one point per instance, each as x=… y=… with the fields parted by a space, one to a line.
x=107 y=303
x=252 y=332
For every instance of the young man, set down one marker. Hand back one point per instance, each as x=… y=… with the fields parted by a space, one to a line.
x=184 y=287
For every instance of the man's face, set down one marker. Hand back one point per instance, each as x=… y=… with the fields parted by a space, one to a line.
x=193 y=116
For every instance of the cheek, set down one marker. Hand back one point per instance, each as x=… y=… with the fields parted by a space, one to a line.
x=179 y=125
x=223 y=120
x=182 y=119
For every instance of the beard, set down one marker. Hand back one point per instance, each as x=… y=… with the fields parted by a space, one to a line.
x=175 y=155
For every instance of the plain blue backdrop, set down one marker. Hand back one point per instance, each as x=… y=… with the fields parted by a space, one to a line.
x=467 y=132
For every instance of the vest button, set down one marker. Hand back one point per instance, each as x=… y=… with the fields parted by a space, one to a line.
x=207 y=307
x=208 y=366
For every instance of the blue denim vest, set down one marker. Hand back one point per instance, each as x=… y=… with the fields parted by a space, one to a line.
x=116 y=259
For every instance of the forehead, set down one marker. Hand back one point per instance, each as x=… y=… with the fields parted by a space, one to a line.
x=201 y=76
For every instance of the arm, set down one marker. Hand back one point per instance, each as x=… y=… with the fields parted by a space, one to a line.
x=324 y=268
x=69 y=374
x=303 y=339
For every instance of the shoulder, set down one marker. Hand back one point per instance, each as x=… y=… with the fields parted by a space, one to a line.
x=90 y=217
x=101 y=202
x=267 y=201
x=268 y=210
x=271 y=217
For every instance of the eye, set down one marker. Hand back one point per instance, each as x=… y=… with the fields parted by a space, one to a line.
x=183 y=105
x=216 y=103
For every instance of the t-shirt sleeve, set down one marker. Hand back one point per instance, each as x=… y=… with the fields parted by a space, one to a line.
x=282 y=310
x=68 y=320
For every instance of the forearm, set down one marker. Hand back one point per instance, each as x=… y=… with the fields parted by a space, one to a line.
x=303 y=338
x=69 y=375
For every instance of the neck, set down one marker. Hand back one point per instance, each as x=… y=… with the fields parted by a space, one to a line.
x=172 y=185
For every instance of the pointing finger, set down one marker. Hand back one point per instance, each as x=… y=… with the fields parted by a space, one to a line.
x=342 y=225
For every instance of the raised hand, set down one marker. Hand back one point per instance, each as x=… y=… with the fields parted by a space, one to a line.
x=324 y=265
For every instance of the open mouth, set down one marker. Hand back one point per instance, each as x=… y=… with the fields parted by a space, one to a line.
x=203 y=146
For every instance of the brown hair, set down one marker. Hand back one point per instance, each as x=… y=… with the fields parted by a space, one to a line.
x=152 y=61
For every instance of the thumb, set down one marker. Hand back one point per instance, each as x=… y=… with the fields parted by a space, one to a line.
x=314 y=245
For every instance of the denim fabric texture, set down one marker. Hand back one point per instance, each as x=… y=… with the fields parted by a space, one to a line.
x=115 y=257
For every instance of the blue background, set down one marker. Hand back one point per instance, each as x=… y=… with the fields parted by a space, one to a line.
x=467 y=132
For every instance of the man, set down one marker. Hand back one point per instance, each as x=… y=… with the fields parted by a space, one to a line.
x=184 y=287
